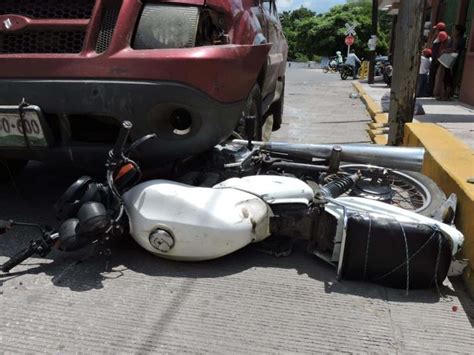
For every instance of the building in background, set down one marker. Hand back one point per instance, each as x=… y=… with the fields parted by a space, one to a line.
x=451 y=12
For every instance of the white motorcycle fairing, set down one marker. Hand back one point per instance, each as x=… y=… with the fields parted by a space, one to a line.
x=195 y=223
x=273 y=189
x=198 y=223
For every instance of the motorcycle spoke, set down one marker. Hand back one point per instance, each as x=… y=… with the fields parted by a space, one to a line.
x=407 y=193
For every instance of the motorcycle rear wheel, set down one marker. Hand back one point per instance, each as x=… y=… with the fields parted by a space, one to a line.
x=405 y=189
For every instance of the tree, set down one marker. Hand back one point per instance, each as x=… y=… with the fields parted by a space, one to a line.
x=311 y=34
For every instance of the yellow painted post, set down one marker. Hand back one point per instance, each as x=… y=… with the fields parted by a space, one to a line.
x=364 y=70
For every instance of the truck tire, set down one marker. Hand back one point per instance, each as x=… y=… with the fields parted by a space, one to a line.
x=277 y=110
x=253 y=107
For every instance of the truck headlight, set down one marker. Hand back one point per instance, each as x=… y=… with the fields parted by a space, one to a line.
x=167 y=26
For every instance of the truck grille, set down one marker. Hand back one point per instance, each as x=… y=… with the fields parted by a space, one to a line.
x=51 y=41
x=109 y=20
x=48 y=9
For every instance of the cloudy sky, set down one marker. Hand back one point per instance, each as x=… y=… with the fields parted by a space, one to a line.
x=315 y=5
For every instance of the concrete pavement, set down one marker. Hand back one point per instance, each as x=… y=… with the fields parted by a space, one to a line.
x=318 y=109
x=248 y=302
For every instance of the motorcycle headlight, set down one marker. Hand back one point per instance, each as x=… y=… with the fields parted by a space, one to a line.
x=167 y=26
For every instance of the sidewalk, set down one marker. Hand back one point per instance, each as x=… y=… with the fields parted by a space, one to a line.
x=455 y=116
x=446 y=130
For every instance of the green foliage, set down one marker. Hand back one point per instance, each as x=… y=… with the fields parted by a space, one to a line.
x=311 y=34
x=301 y=58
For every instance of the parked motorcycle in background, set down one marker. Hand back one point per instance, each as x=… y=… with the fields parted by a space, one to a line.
x=379 y=63
x=387 y=71
x=332 y=66
x=346 y=71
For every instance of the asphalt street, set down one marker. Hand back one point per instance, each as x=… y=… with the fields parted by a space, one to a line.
x=128 y=301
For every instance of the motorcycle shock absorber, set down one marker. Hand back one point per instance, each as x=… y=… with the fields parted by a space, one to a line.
x=339 y=186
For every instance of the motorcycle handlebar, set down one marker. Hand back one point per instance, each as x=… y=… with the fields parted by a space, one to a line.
x=19 y=258
x=122 y=139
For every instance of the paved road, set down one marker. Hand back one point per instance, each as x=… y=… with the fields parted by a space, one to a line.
x=248 y=302
x=318 y=109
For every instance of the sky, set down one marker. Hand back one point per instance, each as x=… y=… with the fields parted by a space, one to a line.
x=315 y=5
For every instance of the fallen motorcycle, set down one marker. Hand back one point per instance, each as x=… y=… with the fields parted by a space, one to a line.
x=363 y=219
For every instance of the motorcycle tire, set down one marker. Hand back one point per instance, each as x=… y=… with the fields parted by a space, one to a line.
x=344 y=75
x=410 y=190
x=325 y=70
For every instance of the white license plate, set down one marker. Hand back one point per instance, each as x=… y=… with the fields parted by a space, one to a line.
x=12 y=133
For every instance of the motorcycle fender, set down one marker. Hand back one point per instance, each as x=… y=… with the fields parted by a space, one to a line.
x=204 y=223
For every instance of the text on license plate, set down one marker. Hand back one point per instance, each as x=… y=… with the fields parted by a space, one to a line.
x=12 y=132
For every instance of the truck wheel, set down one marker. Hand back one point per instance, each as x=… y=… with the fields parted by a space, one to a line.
x=10 y=168
x=277 y=110
x=253 y=107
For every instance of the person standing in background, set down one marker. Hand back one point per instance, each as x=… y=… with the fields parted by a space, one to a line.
x=339 y=58
x=453 y=54
x=434 y=44
x=440 y=90
x=423 y=75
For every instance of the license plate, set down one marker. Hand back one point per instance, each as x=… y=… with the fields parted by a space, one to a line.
x=12 y=129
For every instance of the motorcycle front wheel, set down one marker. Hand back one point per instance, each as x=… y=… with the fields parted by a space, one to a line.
x=405 y=189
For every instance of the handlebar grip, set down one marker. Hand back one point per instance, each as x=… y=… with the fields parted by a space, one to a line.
x=122 y=138
x=18 y=258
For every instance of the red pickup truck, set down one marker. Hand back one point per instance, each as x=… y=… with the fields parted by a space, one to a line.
x=187 y=70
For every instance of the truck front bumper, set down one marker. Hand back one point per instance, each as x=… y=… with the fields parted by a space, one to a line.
x=70 y=105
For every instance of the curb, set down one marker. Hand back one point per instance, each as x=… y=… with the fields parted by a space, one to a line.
x=449 y=162
x=377 y=130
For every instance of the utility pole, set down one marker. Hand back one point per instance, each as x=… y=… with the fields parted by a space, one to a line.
x=405 y=67
x=374 y=32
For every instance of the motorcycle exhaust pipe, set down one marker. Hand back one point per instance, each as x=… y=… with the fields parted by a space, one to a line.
x=401 y=158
